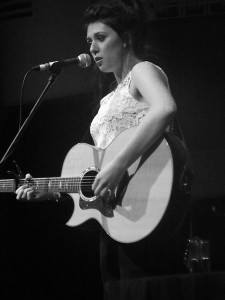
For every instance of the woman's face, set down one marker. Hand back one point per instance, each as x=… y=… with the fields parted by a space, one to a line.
x=106 y=47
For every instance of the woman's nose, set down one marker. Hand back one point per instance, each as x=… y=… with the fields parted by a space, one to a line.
x=94 y=49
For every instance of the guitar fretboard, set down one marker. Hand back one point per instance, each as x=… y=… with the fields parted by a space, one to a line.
x=54 y=184
x=7 y=185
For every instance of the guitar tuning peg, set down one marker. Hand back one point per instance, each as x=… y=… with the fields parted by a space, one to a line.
x=20 y=173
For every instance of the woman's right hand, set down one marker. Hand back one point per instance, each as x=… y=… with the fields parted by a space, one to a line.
x=25 y=192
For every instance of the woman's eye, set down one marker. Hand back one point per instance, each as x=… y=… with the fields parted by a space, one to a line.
x=101 y=38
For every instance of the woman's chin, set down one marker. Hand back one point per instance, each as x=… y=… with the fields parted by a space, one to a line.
x=104 y=69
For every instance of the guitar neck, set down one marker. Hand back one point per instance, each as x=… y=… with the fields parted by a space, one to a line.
x=50 y=184
x=7 y=185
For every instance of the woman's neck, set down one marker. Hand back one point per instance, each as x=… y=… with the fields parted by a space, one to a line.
x=128 y=63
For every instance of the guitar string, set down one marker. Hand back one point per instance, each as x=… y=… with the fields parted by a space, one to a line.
x=61 y=181
x=58 y=183
x=39 y=181
x=64 y=189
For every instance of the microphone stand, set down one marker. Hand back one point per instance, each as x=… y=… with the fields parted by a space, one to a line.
x=55 y=70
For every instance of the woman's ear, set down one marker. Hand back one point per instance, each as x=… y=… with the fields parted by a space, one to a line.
x=127 y=41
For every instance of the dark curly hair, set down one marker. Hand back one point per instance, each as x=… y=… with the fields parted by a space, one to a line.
x=126 y=17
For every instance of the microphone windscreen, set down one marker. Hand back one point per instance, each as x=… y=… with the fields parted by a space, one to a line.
x=85 y=60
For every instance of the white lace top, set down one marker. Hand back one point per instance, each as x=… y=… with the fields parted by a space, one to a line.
x=118 y=111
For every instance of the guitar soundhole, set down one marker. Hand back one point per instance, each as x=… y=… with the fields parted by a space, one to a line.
x=87 y=180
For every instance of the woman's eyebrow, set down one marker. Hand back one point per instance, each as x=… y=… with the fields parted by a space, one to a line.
x=96 y=34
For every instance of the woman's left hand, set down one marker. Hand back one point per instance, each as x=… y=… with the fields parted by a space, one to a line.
x=107 y=179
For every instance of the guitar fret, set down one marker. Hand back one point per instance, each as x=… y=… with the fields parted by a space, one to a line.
x=53 y=184
x=56 y=184
x=7 y=185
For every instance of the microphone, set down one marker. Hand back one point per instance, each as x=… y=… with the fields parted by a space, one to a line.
x=83 y=61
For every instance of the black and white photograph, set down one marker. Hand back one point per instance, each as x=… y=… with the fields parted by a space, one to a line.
x=112 y=152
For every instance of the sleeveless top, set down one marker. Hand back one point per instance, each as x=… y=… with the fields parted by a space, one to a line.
x=118 y=111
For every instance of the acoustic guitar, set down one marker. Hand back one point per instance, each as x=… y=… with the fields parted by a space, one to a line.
x=151 y=197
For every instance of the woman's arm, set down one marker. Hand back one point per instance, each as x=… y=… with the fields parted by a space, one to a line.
x=151 y=84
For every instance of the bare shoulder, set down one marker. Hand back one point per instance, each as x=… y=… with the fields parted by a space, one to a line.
x=148 y=71
x=149 y=81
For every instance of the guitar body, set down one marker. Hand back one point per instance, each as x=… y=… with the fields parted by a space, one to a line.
x=144 y=197
x=151 y=198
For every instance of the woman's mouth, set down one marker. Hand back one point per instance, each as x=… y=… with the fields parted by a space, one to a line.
x=98 y=61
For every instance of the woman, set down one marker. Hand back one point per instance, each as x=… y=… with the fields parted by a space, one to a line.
x=146 y=89
x=115 y=34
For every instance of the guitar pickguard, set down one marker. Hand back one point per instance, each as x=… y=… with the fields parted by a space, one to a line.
x=105 y=207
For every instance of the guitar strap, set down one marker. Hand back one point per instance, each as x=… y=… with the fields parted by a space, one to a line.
x=175 y=128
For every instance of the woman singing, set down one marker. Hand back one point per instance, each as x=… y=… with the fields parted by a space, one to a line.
x=116 y=32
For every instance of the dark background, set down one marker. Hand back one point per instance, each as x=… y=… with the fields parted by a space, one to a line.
x=41 y=257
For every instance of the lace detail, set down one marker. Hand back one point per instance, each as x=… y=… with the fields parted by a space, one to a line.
x=118 y=111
